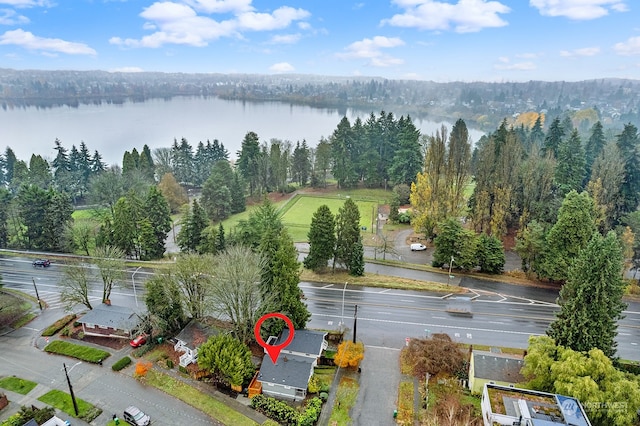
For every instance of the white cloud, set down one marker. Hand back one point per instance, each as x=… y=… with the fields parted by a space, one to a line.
x=629 y=47
x=127 y=69
x=464 y=17
x=578 y=9
x=11 y=17
x=285 y=39
x=27 y=3
x=506 y=64
x=585 y=51
x=220 y=6
x=278 y=19
x=179 y=23
x=371 y=49
x=281 y=67
x=45 y=45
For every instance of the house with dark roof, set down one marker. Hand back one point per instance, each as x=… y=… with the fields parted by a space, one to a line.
x=490 y=367
x=110 y=321
x=289 y=377
x=508 y=406
x=190 y=338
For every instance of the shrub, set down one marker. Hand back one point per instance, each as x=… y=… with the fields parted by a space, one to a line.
x=142 y=350
x=274 y=409
x=324 y=396
x=349 y=354
x=142 y=367
x=80 y=335
x=311 y=414
x=58 y=325
x=121 y=363
x=183 y=369
x=169 y=364
x=314 y=384
x=76 y=324
x=65 y=332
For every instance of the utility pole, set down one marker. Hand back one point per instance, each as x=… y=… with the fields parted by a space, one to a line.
x=355 y=323
x=450 y=265
x=73 y=398
x=37 y=297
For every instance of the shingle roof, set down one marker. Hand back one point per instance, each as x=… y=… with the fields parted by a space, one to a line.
x=289 y=370
x=498 y=367
x=304 y=341
x=117 y=317
x=196 y=333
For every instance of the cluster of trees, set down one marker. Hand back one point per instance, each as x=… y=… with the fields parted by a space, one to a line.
x=336 y=238
x=610 y=396
x=257 y=274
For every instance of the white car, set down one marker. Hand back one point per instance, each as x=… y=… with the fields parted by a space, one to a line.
x=418 y=247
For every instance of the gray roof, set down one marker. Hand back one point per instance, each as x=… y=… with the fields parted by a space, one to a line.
x=304 y=341
x=498 y=367
x=196 y=333
x=117 y=317
x=289 y=370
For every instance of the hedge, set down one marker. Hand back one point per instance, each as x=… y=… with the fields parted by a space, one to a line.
x=121 y=363
x=283 y=413
x=58 y=325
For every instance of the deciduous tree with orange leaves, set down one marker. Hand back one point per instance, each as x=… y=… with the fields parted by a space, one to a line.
x=142 y=367
x=349 y=354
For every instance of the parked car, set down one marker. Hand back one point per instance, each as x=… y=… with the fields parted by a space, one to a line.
x=138 y=341
x=43 y=263
x=135 y=416
x=418 y=247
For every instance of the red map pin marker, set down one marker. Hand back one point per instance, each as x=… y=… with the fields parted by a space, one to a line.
x=273 y=350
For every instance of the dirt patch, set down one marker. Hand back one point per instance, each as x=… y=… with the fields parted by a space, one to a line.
x=107 y=342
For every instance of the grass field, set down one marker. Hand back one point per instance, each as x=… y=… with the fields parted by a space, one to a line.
x=17 y=385
x=62 y=401
x=299 y=212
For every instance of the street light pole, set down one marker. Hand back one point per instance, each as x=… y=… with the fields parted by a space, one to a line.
x=344 y=289
x=133 y=280
x=37 y=296
x=73 y=397
x=450 y=265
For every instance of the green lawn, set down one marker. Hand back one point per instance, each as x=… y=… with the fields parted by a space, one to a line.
x=81 y=352
x=345 y=400
x=17 y=385
x=203 y=402
x=62 y=401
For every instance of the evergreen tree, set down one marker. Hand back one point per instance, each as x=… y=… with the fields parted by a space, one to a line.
x=9 y=162
x=322 y=239
x=343 y=168
x=595 y=144
x=227 y=358
x=264 y=218
x=194 y=222
x=347 y=234
x=394 y=208
x=570 y=170
x=248 y=160
x=554 y=138
x=281 y=276
x=216 y=193
x=569 y=235
x=164 y=301
x=220 y=243
x=490 y=254
x=629 y=145
x=591 y=300
x=97 y=165
x=536 y=135
x=238 y=201
x=454 y=243
x=408 y=161
x=158 y=214
x=322 y=163
x=356 y=265
x=301 y=164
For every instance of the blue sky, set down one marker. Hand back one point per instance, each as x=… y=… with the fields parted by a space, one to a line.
x=439 y=40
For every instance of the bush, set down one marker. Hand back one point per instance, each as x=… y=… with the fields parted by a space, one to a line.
x=76 y=324
x=183 y=369
x=314 y=384
x=274 y=409
x=349 y=354
x=311 y=414
x=121 y=363
x=324 y=396
x=169 y=364
x=142 y=350
x=58 y=325
x=65 y=332
x=80 y=335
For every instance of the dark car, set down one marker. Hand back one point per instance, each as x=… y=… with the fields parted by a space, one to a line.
x=43 y=263
x=135 y=416
x=138 y=341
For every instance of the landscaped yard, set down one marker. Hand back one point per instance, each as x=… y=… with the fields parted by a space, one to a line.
x=80 y=352
x=16 y=384
x=346 y=396
x=62 y=401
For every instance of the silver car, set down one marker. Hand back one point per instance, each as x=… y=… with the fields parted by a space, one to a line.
x=135 y=416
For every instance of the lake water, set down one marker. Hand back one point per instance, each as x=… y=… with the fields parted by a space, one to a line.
x=113 y=129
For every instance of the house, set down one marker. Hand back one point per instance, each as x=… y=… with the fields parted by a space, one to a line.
x=504 y=405
x=490 y=367
x=190 y=338
x=289 y=377
x=110 y=321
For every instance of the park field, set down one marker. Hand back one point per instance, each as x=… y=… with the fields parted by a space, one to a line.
x=298 y=212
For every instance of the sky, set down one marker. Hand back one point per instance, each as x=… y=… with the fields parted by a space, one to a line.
x=437 y=40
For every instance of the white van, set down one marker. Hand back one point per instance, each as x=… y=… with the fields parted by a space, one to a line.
x=418 y=247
